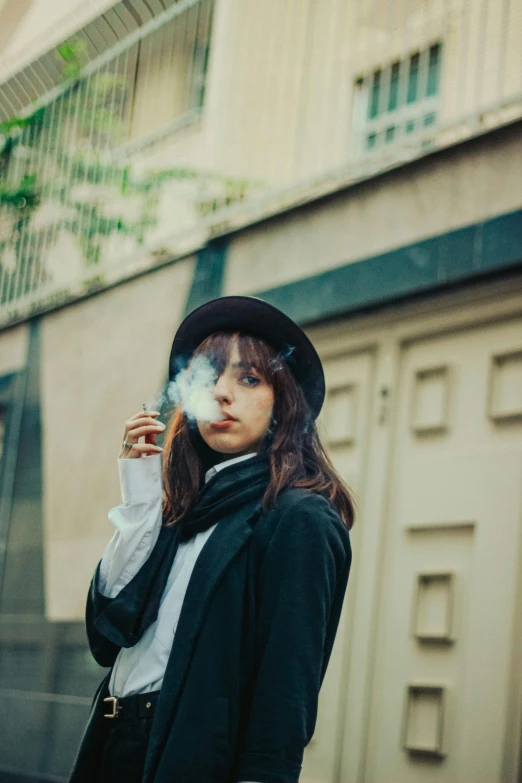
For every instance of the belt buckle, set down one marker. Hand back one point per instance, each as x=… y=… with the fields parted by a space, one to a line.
x=116 y=708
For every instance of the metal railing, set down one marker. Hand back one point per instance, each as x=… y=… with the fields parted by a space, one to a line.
x=154 y=139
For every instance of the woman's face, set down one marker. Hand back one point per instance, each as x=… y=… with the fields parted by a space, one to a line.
x=244 y=395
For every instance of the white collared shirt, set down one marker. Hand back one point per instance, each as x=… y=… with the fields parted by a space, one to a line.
x=140 y=669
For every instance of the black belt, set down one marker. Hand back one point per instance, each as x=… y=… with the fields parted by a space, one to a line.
x=141 y=705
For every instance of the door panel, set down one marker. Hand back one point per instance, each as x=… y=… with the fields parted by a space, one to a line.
x=344 y=428
x=440 y=692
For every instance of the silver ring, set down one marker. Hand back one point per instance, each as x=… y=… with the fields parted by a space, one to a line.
x=127 y=445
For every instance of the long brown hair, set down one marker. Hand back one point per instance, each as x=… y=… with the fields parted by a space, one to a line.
x=295 y=453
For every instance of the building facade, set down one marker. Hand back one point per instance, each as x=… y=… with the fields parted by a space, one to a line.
x=358 y=165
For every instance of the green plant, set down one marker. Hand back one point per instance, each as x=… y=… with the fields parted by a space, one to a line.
x=50 y=153
x=73 y=55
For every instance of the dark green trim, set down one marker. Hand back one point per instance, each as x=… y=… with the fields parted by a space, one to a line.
x=12 y=398
x=22 y=484
x=431 y=265
x=36 y=656
x=209 y=273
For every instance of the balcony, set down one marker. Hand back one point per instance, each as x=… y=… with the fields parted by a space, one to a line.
x=142 y=137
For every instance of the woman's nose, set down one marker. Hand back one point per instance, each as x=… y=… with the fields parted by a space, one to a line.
x=222 y=391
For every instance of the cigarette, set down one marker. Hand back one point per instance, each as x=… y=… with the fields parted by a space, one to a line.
x=145 y=408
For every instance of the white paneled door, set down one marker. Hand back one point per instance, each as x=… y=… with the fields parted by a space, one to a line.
x=443 y=708
x=344 y=426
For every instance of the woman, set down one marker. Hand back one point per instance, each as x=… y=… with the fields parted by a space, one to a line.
x=216 y=604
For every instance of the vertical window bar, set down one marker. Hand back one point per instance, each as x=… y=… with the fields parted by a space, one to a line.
x=183 y=61
x=89 y=90
x=360 y=111
x=133 y=90
x=148 y=84
x=432 y=86
x=393 y=96
x=49 y=146
x=193 y=60
x=128 y=91
x=203 y=60
x=11 y=276
x=161 y=46
x=73 y=131
x=171 y=35
x=24 y=243
x=104 y=143
x=126 y=74
x=375 y=93
x=413 y=79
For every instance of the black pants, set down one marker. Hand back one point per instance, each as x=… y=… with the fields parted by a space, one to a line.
x=124 y=751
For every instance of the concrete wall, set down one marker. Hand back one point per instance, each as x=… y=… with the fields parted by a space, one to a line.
x=422 y=419
x=100 y=361
x=425 y=681
x=280 y=89
x=423 y=416
x=13 y=355
x=467 y=184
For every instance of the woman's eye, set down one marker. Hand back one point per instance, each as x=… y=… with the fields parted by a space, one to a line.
x=250 y=380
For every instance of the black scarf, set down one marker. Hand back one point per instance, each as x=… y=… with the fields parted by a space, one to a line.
x=124 y=619
x=225 y=492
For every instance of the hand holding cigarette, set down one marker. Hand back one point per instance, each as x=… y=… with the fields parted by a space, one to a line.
x=142 y=424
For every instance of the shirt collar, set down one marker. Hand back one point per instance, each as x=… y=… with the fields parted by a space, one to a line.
x=216 y=468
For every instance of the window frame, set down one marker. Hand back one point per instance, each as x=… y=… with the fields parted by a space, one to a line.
x=389 y=127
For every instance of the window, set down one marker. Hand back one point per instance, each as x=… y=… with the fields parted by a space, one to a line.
x=151 y=87
x=413 y=78
x=398 y=101
x=393 y=99
x=170 y=68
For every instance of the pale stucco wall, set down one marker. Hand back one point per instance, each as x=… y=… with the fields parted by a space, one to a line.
x=459 y=187
x=13 y=349
x=280 y=86
x=100 y=360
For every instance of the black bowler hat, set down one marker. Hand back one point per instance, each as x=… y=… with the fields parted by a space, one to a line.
x=253 y=315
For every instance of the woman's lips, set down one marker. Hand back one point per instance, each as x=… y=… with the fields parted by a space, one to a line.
x=222 y=425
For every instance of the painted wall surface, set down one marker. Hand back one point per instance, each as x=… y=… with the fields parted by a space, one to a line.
x=423 y=418
x=100 y=361
x=279 y=102
x=13 y=349
x=423 y=421
x=279 y=111
x=467 y=184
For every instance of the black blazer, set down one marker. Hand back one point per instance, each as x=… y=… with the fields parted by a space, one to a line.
x=257 y=626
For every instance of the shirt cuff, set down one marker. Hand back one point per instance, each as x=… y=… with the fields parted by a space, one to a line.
x=140 y=479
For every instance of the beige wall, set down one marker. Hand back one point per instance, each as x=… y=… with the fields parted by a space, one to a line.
x=279 y=96
x=459 y=187
x=436 y=466
x=100 y=360
x=278 y=110
x=423 y=417
x=13 y=349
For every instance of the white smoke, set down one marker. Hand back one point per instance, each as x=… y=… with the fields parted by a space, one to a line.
x=193 y=387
